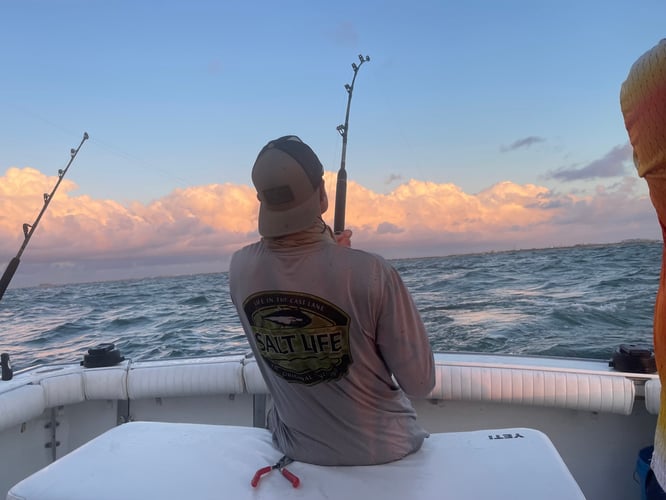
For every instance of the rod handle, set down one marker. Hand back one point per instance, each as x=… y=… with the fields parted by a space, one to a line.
x=340 y=202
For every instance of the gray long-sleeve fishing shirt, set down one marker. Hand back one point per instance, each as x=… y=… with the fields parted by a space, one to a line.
x=329 y=326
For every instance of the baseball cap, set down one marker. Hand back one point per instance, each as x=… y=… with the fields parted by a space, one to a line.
x=287 y=175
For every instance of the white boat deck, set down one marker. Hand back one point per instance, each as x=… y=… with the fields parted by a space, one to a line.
x=142 y=460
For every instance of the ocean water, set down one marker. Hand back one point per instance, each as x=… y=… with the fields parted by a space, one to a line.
x=578 y=301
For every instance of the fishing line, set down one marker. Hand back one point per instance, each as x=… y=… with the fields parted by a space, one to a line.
x=103 y=145
x=398 y=128
x=142 y=163
x=36 y=116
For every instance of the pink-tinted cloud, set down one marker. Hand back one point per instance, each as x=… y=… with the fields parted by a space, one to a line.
x=197 y=228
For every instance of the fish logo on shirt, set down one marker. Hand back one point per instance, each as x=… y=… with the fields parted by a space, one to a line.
x=289 y=318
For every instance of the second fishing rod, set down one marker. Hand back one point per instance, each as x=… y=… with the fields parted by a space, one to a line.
x=29 y=229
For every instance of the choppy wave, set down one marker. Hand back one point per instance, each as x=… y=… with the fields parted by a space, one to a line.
x=581 y=302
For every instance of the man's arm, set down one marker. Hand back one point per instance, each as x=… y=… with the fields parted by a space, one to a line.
x=403 y=340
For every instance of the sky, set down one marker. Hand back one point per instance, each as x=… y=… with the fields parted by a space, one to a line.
x=475 y=126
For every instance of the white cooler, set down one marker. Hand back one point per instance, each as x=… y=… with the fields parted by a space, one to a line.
x=164 y=461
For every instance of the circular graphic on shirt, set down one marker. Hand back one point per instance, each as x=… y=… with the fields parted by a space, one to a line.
x=301 y=337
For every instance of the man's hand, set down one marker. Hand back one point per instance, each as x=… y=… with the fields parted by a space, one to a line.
x=344 y=238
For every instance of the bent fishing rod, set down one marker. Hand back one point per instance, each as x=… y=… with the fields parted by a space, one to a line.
x=341 y=186
x=29 y=229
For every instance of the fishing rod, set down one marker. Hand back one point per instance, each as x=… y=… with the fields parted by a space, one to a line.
x=341 y=187
x=29 y=229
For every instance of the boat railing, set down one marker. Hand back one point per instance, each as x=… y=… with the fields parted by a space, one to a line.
x=28 y=395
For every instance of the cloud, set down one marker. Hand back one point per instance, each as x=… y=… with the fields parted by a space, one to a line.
x=198 y=228
x=388 y=227
x=611 y=165
x=197 y=224
x=522 y=143
x=393 y=177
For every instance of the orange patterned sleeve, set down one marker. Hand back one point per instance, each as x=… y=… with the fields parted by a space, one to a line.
x=643 y=103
